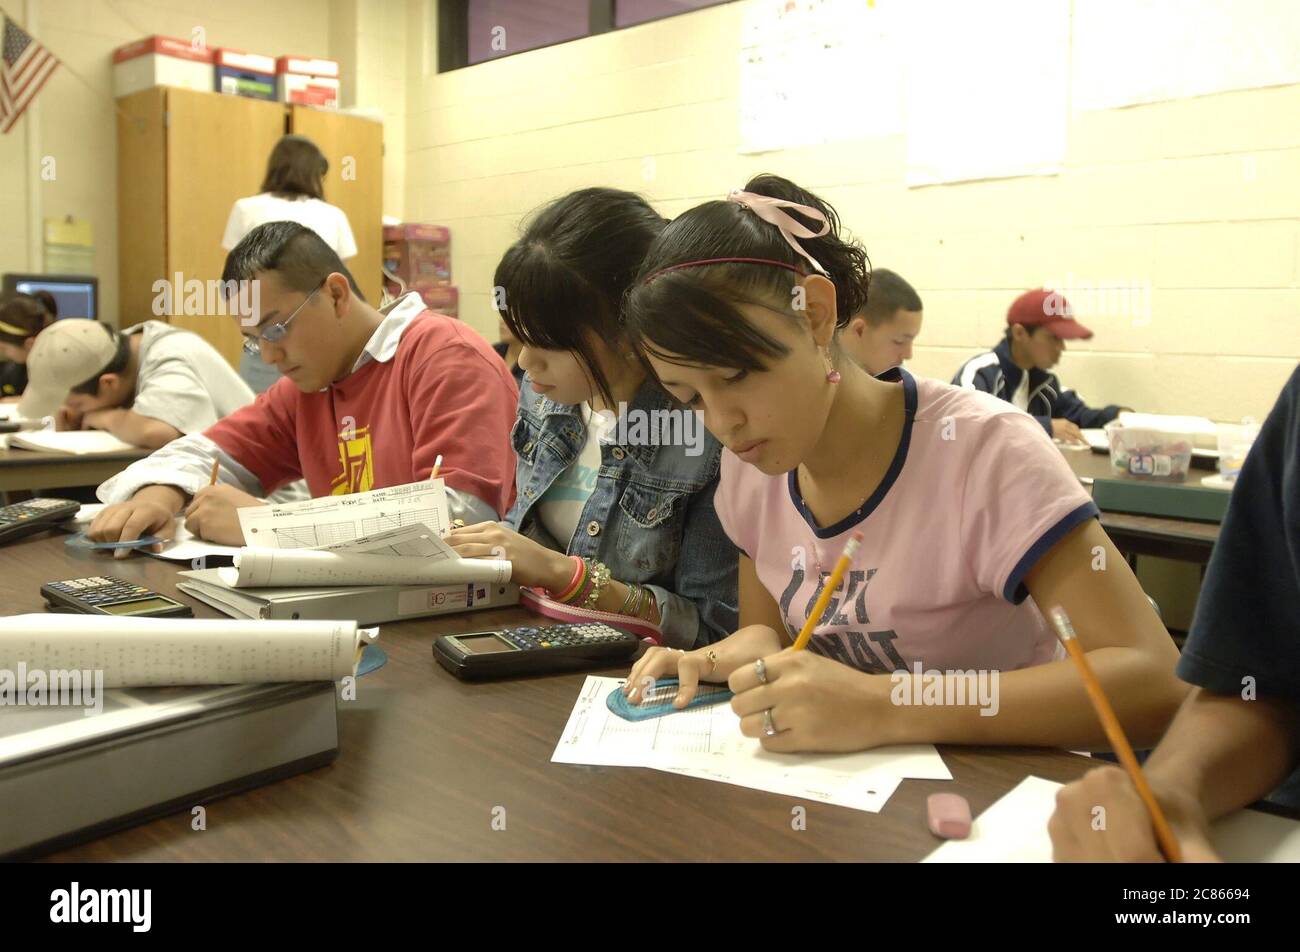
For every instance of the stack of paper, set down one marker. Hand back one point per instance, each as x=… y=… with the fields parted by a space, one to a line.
x=706 y=742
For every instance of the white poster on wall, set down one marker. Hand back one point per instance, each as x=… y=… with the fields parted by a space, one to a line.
x=986 y=89
x=814 y=71
x=1127 y=52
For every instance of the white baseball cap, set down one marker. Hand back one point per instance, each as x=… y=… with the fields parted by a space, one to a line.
x=66 y=354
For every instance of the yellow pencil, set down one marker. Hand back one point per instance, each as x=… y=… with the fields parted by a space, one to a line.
x=1115 y=734
x=842 y=566
x=216 y=464
x=437 y=464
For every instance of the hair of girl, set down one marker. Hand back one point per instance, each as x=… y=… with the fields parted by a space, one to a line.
x=561 y=286
x=23 y=316
x=296 y=169
x=694 y=311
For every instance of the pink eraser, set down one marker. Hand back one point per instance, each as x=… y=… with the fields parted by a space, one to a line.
x=949 y=816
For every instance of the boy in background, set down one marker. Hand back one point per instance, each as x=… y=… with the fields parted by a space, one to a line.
x=1018 y=369
x=880 y=336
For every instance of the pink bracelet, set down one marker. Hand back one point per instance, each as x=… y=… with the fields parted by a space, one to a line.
x=579 y=575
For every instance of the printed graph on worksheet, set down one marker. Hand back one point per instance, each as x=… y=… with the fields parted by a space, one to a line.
x=684 y=732
x=397 y=520
x=307 y=537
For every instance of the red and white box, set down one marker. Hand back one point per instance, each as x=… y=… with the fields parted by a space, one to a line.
x=307 y=81
x=161 y=61
x=419 y=254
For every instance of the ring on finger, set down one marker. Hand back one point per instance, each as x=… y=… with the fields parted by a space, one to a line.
x=760 y=668
x=768 y=727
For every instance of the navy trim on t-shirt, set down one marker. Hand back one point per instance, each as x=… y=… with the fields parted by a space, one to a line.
x=1015 y=591
x=893 y=375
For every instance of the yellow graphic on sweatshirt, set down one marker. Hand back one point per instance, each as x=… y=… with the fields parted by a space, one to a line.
x=356 y=462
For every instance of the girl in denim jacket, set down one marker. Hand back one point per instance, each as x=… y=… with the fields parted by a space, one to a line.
x=615 y=480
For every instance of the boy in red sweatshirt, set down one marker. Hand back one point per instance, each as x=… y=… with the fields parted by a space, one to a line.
x=369 y=398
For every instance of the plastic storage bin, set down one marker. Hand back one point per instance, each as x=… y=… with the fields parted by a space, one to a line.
x=1149 y=452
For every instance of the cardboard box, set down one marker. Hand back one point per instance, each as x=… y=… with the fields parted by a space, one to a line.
x=419 y=254
x=245 y=74
x=307 y=81
x=161 y=61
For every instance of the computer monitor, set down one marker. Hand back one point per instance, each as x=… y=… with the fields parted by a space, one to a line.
x=76 y=294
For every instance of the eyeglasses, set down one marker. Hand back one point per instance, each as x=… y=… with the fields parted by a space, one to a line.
x=277 y=331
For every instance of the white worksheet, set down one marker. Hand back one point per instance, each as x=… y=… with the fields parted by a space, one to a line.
x=706 y=742
x=1014 y=830
x=328 y=520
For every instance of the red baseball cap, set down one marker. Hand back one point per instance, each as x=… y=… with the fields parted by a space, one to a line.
x=1050 y=309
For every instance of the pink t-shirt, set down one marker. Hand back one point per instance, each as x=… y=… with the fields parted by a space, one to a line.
x=975 y=495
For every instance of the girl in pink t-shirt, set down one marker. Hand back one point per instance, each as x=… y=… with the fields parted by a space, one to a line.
x=972 y=521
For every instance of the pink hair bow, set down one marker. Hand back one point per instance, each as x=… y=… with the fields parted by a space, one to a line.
x=770 y=210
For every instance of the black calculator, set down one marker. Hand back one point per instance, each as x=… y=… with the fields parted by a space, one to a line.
x=513 y=651
x=35 y=515
x=105 y=595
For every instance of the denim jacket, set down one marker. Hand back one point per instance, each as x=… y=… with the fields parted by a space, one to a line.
x=650 y=518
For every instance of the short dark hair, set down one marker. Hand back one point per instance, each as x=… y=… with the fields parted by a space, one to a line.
x=887 y=295
x=115 y=366
x=28 y=313
x=296 y=168
x=297 y=254
x=567 y=275
x=693 y=312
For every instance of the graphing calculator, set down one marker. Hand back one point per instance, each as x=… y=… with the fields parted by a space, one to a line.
x=105 y=595
x=34 y=515
x=513 y=651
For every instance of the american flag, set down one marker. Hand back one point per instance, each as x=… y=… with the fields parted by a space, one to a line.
x=26 y=67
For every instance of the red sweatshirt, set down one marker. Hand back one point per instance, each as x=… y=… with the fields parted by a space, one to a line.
x=444 y=391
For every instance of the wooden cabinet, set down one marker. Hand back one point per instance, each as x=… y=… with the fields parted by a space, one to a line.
x=183 y=159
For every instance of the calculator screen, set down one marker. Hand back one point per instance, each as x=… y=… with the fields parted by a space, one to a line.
x=483 y=644
x=136 y=607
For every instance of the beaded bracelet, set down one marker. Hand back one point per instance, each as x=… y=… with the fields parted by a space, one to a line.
x=599 y=573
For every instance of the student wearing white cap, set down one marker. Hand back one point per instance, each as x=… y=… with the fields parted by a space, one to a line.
x=147 y=385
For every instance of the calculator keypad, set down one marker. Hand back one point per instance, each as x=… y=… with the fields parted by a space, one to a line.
x=561 y=636
x=32 y=509
x=99 y=590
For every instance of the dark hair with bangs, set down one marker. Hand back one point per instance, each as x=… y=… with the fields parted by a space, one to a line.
x=25 y=315
x=694 y=311
x=564 y=280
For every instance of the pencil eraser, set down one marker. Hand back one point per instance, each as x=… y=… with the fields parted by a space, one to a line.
x=949 y=816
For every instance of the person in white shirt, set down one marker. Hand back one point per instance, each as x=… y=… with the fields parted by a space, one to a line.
x=147 y=385
x=293 y=190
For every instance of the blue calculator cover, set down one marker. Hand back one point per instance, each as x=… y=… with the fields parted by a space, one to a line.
x=659 y=701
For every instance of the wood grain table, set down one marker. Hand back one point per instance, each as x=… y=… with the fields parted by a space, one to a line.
x=425 y=760
x=24 y=470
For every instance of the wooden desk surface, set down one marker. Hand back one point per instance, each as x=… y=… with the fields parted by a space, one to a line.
x=424 y=759
x=27 y=469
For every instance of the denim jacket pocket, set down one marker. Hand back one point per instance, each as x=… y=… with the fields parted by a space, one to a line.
x=524 y=440
x=650 y=533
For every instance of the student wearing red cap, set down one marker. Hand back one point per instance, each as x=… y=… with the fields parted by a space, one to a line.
x=1018 y=369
